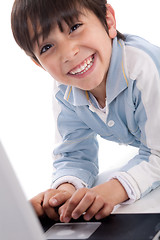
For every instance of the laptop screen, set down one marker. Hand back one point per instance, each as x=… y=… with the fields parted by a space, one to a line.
x=17 y=219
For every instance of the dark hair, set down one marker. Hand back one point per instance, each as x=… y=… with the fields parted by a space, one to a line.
x=47 y=13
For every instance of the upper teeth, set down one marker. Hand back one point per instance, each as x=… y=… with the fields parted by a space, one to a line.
x=83 y=67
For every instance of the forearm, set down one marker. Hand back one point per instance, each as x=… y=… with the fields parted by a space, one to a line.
x=112 y=192
x=98 y=201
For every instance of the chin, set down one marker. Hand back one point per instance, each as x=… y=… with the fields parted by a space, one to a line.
x=91 y=88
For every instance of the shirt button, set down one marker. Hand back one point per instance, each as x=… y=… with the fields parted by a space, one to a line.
x=111 y=123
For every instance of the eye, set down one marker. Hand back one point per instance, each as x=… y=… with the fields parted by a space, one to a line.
x=75 y=27
x=46 y=48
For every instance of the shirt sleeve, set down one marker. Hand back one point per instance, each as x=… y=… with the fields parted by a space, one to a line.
x=76 y=153
x=142 y=173
x=76 y=182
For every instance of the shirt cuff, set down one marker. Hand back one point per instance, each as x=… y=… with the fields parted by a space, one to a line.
x=76 y=182
x=129 y=185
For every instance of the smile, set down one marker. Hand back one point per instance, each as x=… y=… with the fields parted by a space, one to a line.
x=83 y=67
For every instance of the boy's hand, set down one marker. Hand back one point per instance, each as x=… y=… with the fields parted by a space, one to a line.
x=37 y=202
x=85 y=201
x=98 y=201
x=48 y=201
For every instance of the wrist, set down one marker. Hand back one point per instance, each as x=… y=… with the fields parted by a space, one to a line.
x=67 y=187
x=112 y=191
x=119 y=193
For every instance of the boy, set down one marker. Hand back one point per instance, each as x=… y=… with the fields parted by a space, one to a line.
x=107 y=84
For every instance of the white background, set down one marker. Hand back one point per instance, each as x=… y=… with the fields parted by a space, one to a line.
x=26 y=120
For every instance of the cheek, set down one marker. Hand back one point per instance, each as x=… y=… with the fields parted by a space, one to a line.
x=52 y=68
x=55 y=73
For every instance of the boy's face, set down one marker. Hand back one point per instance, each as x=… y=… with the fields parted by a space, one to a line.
x=79 y=56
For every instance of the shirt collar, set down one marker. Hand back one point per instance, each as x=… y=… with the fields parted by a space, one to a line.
x=76 y=96
x=116 y=79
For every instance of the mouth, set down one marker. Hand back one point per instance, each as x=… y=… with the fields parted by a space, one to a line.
x=84 y=67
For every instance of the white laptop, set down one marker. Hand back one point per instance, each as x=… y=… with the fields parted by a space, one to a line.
x=17 y=218
x=19 y=222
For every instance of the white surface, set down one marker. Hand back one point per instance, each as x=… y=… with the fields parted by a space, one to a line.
x=148 y=204
x=26 y=121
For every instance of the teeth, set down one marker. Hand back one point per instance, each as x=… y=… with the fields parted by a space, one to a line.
x=89 y=60
x=83 y=68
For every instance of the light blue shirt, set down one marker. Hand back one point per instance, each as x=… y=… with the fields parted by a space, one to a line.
x=132 y=117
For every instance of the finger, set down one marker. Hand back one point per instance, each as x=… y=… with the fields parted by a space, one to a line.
x=38 y=209
x=71 y=204
x=59 y=199
x=97 y=205
x=49 y=211
x=84 y=204
x=61 y=211
x=37 y=202
x=104 y=212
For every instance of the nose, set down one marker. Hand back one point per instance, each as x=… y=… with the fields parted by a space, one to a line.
x=69 y=52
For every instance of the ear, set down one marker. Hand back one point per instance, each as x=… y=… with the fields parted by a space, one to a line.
x=38 y=64
x=111 y=21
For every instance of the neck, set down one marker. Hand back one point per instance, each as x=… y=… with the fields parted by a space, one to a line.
x=100 y=94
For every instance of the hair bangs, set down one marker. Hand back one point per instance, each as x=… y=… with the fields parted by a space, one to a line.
x=41 y=16
x=52 y=14
x=31 y=19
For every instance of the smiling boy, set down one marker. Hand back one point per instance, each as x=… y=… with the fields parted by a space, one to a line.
x=106 y=84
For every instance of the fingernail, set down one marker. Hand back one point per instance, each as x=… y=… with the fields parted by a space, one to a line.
x=75 y=215
x=87 y=217
x=66 y=219
x=54 y=201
